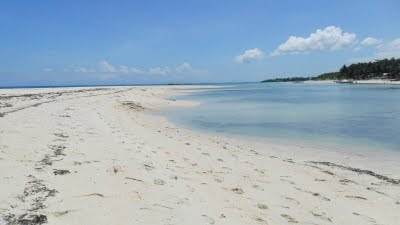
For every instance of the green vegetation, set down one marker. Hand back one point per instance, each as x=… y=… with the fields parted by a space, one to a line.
x=385 y=68
x=328 y=76
x=380 y=69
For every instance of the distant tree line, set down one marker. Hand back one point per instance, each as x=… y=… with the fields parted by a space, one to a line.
x=380 y=69
x=385 y=68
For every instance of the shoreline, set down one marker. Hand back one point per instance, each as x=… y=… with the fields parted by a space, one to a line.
x=373 y=81
x=103 y=148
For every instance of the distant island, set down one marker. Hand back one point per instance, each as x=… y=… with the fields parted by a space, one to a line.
x=388 y=69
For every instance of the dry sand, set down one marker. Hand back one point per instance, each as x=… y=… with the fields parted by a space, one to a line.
x=99 y=156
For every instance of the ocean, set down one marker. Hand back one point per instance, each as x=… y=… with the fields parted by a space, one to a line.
x=366 y=117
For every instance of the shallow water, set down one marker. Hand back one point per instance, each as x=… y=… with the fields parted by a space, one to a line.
x=338 y=115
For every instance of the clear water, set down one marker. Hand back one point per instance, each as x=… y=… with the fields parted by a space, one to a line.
x=340 y=115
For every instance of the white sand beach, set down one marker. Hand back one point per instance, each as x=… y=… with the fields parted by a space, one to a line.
x=79 y=156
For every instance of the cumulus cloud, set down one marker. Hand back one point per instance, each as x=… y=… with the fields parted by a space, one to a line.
x=383 y=50
x=370 y=41
x=106 y=67
x=249 y=55
x=184 y=67
x=188 y=68
x=389 y=49
x=329 y=38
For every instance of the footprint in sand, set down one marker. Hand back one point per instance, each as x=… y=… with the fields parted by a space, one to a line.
x=321 y=216
x=369 y=219
x=208 y=219
x=261 y=220
x=238 y=191
x=289 y=218
x=292 y=199
x=159 y=182
x=262 y=206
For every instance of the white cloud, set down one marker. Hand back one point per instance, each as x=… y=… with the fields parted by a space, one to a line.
x=136 y=71
x=383 y=50
x=47 y=69
x=184 y=67
x=389 y=50
x=249 y=55
x=188 y=68
x=159 y=71
x=124 y=69
x=371 y=41
x=330 y=38
x=106 y=67
x=83 y=70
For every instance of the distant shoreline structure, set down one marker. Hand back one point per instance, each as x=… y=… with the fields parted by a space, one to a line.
x=386 y=71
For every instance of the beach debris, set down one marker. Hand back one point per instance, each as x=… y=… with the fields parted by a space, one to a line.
x=40 y=192
x=61 y=213
x=322 y=216
x=46 y=161
x=163 y=206
x=262 y=206
x=25 y=219
x=238 y=191
x=35 y=194
x=61 y=135
x=60 y=172
x=159 y=182
x=116 y=169
x=131 y=178
x=355 y=197
x=132 y=105
x=93 y=194
x=148 y=167
x=360 y=171
x=289 y=218
x=321 y=180
x=58 y=150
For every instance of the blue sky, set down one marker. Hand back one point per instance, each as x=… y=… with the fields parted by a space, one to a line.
x=117 y=42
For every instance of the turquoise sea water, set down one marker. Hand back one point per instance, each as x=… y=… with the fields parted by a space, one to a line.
x=340 y=115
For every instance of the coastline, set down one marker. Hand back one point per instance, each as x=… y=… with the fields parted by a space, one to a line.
x=373 y=81
x=100 y=156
